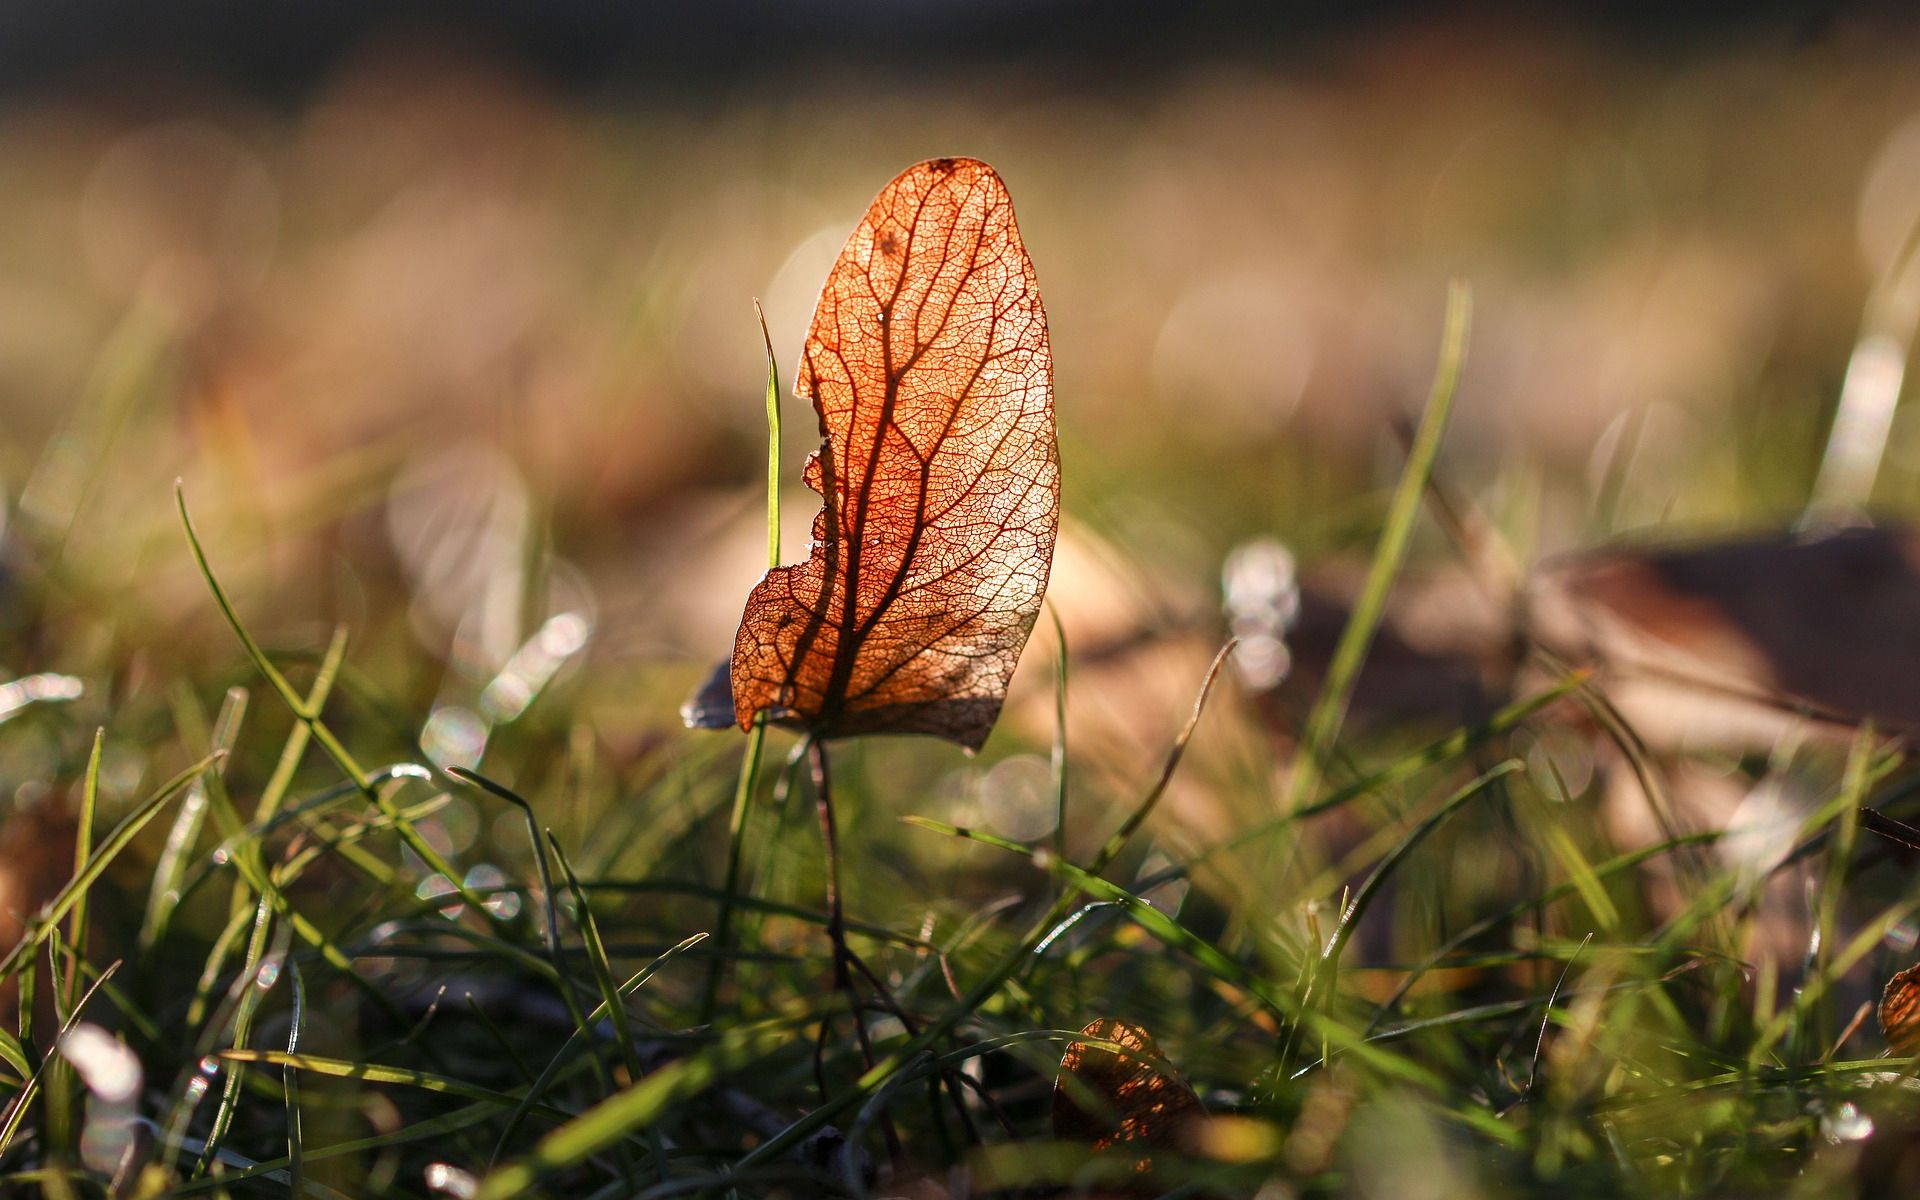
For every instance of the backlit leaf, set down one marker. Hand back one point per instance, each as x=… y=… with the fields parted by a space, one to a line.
x=929 y=367
x=1133 y=1099
x=1900 y=1012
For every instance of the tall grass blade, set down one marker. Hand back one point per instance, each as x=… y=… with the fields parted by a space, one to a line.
x=1329 y=709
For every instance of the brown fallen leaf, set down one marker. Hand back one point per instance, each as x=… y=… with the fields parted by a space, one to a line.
x=929 y=367
x=1730 y=639
x=1900 y=1012
x=1132 y=1099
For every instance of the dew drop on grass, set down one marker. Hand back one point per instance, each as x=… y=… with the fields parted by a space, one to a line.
x=1016 y=797
x=1904 y=935
x=488 y=880
x=1260 y=590
x=109 y=1070
x=208 y=1071
x=17 y=694
x=445 y=1177
x=435 y=886
x=113 y=1075
x=454 y=737
x=1846 y=1124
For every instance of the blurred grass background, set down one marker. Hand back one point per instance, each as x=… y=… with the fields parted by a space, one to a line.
x=435 y=329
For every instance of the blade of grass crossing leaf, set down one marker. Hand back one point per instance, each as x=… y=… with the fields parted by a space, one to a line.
x=750 y=764
x=1329 y=708
x=773 y=442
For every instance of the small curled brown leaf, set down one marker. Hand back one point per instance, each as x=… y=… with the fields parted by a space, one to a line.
x=1900 y=1012
x=929 y=367
x=1132 y=1099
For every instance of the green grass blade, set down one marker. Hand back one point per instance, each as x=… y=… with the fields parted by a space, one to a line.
x=750 y=763
x=1606 y=870
x=582 y=1031
x=1442 y=750
x=11 y=1119
x=637 y=1107
x=166 y=891
x=1008 y=965
x=59 y=1107
x=744 y=787
x=1362 y=899
x=290 y=1082
x=259 y=971
x=310 y=716
x=773 y=443
x=364 y=1072
x=1329 y=710
x=82 y=851
x=597 y=958
x=431 y=1129
x=1138 y=816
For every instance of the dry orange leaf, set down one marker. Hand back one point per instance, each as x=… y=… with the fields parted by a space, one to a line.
x=1900 y=1012
x=1137 y=1099
x=929 y=367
